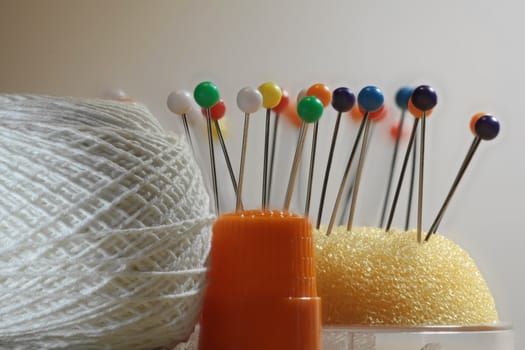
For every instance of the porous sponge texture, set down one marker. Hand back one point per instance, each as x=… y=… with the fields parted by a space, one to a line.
x=370 y=277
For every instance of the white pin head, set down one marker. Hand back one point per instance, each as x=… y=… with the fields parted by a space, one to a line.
x=179 y=102
x=249 y=100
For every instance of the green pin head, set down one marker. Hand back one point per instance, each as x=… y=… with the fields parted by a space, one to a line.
x=310 y=109
x=206 y=94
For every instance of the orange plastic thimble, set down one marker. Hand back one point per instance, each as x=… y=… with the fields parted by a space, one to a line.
x=261 y=291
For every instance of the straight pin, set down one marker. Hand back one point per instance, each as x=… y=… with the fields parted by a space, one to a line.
x=423 y=99
x=342 y=101
x=271 y=94
x=345 y=178
x=217 y=112
x=310 y=109
x=484 y=127
x=283 y=104
x=370 y=101
x=207 y=95
x=411 y=186
x=402 y=174
x=311 y=170
x=421 y=173
x=402 y=97
x=323 y=93
x=249 y=100
x=358 y=174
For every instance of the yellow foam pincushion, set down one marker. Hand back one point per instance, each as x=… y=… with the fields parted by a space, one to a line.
x=371 y=277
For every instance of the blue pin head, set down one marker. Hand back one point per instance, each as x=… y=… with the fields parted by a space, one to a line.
x=370 y=98
x=343 y=99
x=403 y=96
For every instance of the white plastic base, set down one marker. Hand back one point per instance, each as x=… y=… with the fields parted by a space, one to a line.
x=491 y=337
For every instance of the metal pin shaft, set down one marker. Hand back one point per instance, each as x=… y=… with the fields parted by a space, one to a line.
x=187 y=130
x=265 y=164
x=392 y=168
x=411 y=186
x=327 y=170
x=461 y=172
x=345 y=178
x=402 y=175
x=272 y=157
x=421 y=173
x=238 y=206
x=295 y=166
x=357 y=182
x=311 y=170
x=226 y=156
x=212 y=162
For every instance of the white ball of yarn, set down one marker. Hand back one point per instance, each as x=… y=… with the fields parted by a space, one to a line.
x=104 y=227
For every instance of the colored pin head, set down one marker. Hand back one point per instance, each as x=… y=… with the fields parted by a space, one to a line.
x=357 y=113
x=179 y=102
x=370 y=98
x=271 y=94
x=249 y=100
x=300 y=95
x=343 y=99
x=283 y=103
x=487 y=127
x=322 y=92
x=206 y=94
x=310 y=109
x=416 y=112
x=474 y=120
x=217 y=111
x=403 y=96
x=424 y=98
x=379 y=114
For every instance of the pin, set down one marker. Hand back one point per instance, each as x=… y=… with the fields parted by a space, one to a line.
x=323 y=93
x=402 y=97
x=249 y=100
x=207 y=95
x=411 y=186
x=410 y=149
x=271 y=94
x=419 y=115
x=310 y=109
x=179 y=102
x=283 y=104
x=484 y=127
x=357 y=113
x=216 y=113
x=370 y=99
x=424 y=98
x=342 y=101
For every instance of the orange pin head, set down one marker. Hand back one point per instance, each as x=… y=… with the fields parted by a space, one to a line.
x=322 y=92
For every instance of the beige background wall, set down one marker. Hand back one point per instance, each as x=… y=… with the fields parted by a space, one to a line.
x=471 y=51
